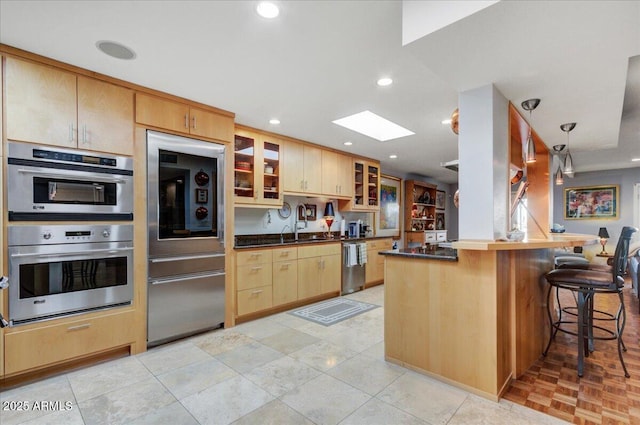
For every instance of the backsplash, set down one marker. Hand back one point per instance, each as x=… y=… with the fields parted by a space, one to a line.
x=250 y=221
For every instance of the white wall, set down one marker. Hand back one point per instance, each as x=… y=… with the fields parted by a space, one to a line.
x=626 y=178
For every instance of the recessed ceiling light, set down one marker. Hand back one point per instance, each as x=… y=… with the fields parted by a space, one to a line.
x=115 y=50
x=348 y=143
x=447 y=121
x=374 y=126
x=393 y=156
x=274 y=121
x=386 y=81
x=635 y=159
x=268 y=10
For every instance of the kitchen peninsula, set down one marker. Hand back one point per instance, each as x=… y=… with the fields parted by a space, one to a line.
x=477 y=322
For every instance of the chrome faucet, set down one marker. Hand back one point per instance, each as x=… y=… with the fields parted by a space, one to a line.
x=304 y=214
x=282 y=232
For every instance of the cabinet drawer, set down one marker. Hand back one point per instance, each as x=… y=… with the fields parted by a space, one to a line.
x=244 y=258
x=380 y=244
x=284 y=254
x=430 y=237
x=252 y=300
x=318 y=250
x=50 y=344
x=441 y=236
x=253 y=276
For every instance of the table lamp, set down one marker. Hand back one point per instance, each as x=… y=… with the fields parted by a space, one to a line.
x=604 y=235
x=329 y=215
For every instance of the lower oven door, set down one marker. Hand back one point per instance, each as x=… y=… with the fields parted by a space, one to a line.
x=53 y=280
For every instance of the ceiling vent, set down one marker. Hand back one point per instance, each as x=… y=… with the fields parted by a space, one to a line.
x=451 y=165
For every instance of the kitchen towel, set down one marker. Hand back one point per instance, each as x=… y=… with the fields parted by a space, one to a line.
x=362 y=254
x=351 y=257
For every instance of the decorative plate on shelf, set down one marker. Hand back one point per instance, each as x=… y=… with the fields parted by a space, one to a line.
x=285 y=211
x=201 y=178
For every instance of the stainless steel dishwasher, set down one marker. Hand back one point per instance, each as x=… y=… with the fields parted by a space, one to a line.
x=354 y=262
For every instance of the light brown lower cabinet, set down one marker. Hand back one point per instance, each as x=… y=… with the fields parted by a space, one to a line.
x=318 y=270
x=374 y=272
x=46 y=345
x=254 y=299
x=272 y=277
x=285 y=276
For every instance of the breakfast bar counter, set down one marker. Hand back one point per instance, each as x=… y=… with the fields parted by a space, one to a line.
x=476 y=322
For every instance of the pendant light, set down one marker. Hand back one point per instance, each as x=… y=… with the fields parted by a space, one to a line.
x=530 y=150
x=568 y=160
x=559 y=178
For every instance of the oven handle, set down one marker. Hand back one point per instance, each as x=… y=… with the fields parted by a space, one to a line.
x=178 y=279
x=97 y=177
x=183 y=258
x=88 y=252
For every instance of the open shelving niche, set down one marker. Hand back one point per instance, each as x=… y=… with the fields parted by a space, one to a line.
x=420 y=210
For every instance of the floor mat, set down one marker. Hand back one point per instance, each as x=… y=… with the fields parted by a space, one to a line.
x=333 y=311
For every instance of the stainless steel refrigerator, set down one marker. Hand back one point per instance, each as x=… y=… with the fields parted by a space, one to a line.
x=185 y=188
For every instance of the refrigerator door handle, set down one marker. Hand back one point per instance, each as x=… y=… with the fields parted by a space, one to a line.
x=185 y=257
x=183 y=278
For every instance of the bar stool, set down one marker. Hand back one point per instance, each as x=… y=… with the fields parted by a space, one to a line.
x=586 y=283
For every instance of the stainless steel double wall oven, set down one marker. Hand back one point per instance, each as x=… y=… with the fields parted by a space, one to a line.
x=59 y=263
x=186 y=288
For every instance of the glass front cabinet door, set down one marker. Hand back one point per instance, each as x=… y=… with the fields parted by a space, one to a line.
x=257 y=167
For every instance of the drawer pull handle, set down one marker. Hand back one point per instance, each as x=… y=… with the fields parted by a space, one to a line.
x=79 y=327
x=256 y=268
x=257 y=292
x=255 y=255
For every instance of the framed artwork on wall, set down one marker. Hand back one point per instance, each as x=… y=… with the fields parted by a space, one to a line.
x=591 y=202
x=388 y=219
x=441 y=197
x=440 y=223
x=311 y=210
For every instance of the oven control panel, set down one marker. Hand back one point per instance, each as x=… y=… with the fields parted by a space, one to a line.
x=63 y=234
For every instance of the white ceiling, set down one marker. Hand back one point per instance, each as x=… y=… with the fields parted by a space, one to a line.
x=319 y=61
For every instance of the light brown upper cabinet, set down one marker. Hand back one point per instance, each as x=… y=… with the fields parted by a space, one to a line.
x=366 y=187
x=303 y=168
x=182 y=118
x=337 y=177
x=54 y=107
x=257 y=169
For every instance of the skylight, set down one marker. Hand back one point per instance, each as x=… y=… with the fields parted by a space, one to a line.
x=374 y=126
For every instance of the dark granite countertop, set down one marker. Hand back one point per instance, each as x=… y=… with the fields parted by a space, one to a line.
x=273 y=240
x=436 y=253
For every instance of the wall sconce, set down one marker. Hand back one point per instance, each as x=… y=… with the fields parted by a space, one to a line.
x=604 y=235
x=530 y=149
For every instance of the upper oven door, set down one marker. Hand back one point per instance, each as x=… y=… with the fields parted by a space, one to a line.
x=45 y=189
x=185 y=195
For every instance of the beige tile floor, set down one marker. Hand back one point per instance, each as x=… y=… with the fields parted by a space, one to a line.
x=276 y=370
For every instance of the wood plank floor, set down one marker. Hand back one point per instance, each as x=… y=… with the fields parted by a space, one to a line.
x=603 y=395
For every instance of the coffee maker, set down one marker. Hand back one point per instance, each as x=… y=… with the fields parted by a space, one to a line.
x=354 y=229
